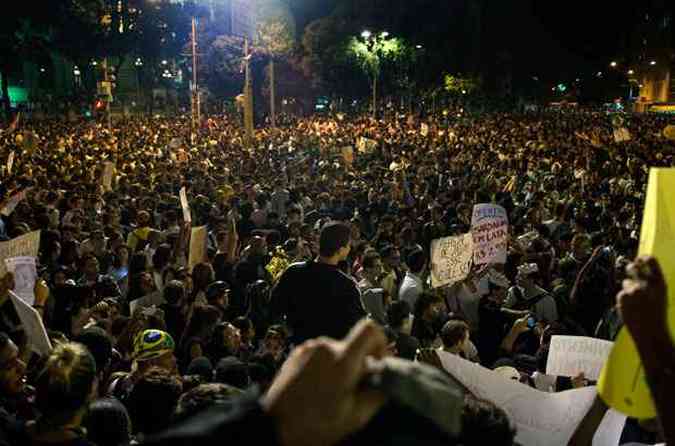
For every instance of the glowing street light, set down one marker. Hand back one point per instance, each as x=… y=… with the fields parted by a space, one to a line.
x=385 y=34
x=366 y=34
x=652 y=63
x=631 y=72
x=76 y=71
x=164 y=62
x=599 y=74
x=419 y=47
x=613 y=64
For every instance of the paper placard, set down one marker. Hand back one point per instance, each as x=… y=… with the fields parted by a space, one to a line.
x=197 y=246
x=571 y=355
x=541 y=418
x=106 y=177
x=187 y=215
x=451 y=259
x=25 y=276
x=490 y=230
x=366 y=145
x=348 y=154
x=32 y=325
x=622 y=135
x=424 y=130
x=26 y=245
x=610 y=429
x=10 y=162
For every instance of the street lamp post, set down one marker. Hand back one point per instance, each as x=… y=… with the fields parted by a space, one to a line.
x=373 y=42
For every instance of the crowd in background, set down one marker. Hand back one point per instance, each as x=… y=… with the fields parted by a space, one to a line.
x=304 y=240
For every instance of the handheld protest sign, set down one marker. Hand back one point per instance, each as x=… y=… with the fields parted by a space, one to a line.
x=623 y=385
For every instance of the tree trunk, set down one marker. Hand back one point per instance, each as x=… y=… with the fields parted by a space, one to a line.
x=4 y=72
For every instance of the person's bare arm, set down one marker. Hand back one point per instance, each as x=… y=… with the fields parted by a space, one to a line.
x=643 y=306
x=519 y=327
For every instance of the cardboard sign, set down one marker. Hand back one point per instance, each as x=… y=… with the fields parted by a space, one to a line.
x=152 y=299
x=623 y=384
x=622 y=135
x=25 y=246
x=490 y=230
x=197 y=246
x=106 y=177
x=451 y=259
x=541 y=418
x=187 y=215
x=424 y=130
x=571 y=355
x=366 y=145
x=10 y=162
x=32 y=325
x=348 y=155
x=25 y=276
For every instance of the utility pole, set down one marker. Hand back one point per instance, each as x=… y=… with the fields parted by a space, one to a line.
x=273 y=114
x=195 y=91
x=109 y=91
x=248 y=95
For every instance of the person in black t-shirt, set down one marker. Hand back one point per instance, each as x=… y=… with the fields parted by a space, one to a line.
x=316 y=297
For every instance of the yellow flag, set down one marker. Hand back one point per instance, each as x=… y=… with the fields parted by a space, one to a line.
x=623 y=385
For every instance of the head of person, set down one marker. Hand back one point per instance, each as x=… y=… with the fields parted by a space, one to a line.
x=454 y=335
x=201 y=367
x=581 y=247
x=206 y=396
x=90 y=265
x=204 y=319
x=108 y=423
x=202 y=276
x=527 y=275
x=153 y=400
x=154 y=348
x=391 y=257
x=485 y=423
x=257 y=248
x=174 y=293
x=66 y=384
x=143 y=219
x=99 y=344
x=400 y=317
x=246 y=329
x=293 y=216
x=372 y=264
x=428 y=307
x=416 y=261
x=335 y=241
x=233 y=372
x=225 y=340
x=12 y=368
x=218 y=294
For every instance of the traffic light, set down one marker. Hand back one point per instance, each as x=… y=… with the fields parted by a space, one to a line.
x=99 y=105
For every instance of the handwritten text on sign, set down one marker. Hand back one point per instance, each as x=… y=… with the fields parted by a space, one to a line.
x=490 y=230
x=571 y=355
x=450 y=259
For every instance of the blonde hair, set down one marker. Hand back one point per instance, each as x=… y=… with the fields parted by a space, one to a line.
x=64 y=385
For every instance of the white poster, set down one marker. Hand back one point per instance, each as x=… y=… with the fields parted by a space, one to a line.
x=197 y=246
x=106 y=178
x=152 y=299
x=32 y=325
x=571 y=355
x=10 y=162
x=424 y=131
x=25 y=276
x=490 y=229
x=26 y=245
x=451 y=259
x=610 y=429
x=187 y=215
x=541 y=418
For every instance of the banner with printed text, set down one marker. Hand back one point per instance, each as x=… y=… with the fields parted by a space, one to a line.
x=490 y=230
x=451 y=259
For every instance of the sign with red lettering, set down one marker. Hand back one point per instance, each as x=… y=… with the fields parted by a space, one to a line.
x=490 y=230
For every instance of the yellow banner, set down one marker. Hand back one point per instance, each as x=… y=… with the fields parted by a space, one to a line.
x=623 y=385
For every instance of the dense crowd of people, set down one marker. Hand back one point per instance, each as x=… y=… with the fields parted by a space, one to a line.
x=305 y=239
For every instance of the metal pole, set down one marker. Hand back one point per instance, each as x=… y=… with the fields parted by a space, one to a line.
x=109 y=98
x=195 y=95
x=375 y=97
x=248 y=96
x=272 y=95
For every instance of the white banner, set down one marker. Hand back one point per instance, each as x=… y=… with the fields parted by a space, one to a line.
x=451 y=259
x=26 y=245
x=610 y=429
x=571 y=355
x=187 y=215
x=490 y=230
x=32 y=325
x=197 y=246
x=25 y=276
x=541 y=418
